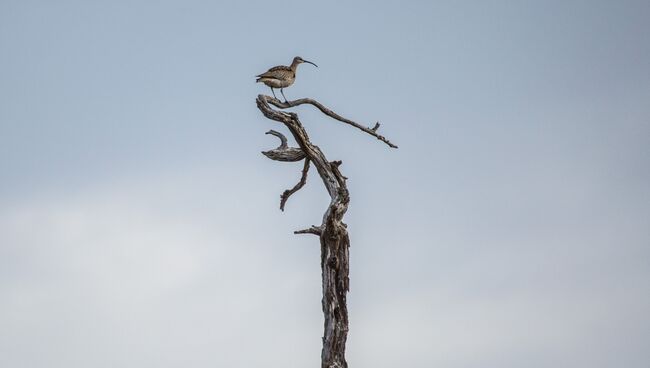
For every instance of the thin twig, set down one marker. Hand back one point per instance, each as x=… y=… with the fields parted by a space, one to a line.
x=283 y=139
x=316 y=230
x=303 y=179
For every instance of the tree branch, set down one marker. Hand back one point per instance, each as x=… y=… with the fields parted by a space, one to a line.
x=316 y=230
x=283 y=152
x=291 y=121
x=283 y=139
x=303 y=179
x=372 y=131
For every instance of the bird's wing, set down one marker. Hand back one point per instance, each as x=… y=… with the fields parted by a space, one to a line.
x=277 y=72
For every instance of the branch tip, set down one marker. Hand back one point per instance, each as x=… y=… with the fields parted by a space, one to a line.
x=283 y=138
x=287 y=193
x=284 y=152
x=316 y=230
x=275 y=115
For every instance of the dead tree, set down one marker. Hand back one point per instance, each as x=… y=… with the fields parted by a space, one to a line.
x=332 y=232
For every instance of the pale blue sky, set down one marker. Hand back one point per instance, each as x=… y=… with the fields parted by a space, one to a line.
x=139 y=224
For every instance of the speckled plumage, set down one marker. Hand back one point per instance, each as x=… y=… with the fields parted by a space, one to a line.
x=281 y=76
x=278 y=77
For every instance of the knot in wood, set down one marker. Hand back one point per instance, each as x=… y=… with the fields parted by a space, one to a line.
x=333 y=261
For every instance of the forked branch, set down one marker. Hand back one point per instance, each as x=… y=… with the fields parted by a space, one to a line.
x=284 y=152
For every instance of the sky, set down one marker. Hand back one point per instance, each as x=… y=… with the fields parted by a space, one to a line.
x=140 y=225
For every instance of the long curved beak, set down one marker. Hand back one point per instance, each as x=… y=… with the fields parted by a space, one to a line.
x=310 y=63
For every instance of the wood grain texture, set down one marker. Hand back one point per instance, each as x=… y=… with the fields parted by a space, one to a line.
x=333 y=233
x=372 y=131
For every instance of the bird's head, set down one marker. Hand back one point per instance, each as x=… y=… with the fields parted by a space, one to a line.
x=298 y=60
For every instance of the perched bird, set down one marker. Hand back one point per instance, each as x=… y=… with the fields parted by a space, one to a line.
x=281 y=76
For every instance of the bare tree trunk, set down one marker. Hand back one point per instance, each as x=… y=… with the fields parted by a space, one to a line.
x=335 y=266
x=333 y=234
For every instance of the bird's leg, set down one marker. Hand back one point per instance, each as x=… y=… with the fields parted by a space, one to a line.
x=285 y=98
x=272 y=91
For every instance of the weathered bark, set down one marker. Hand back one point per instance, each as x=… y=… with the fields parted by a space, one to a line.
x=333 y=234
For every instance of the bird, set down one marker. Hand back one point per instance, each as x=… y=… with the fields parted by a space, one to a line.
x=281 y=76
